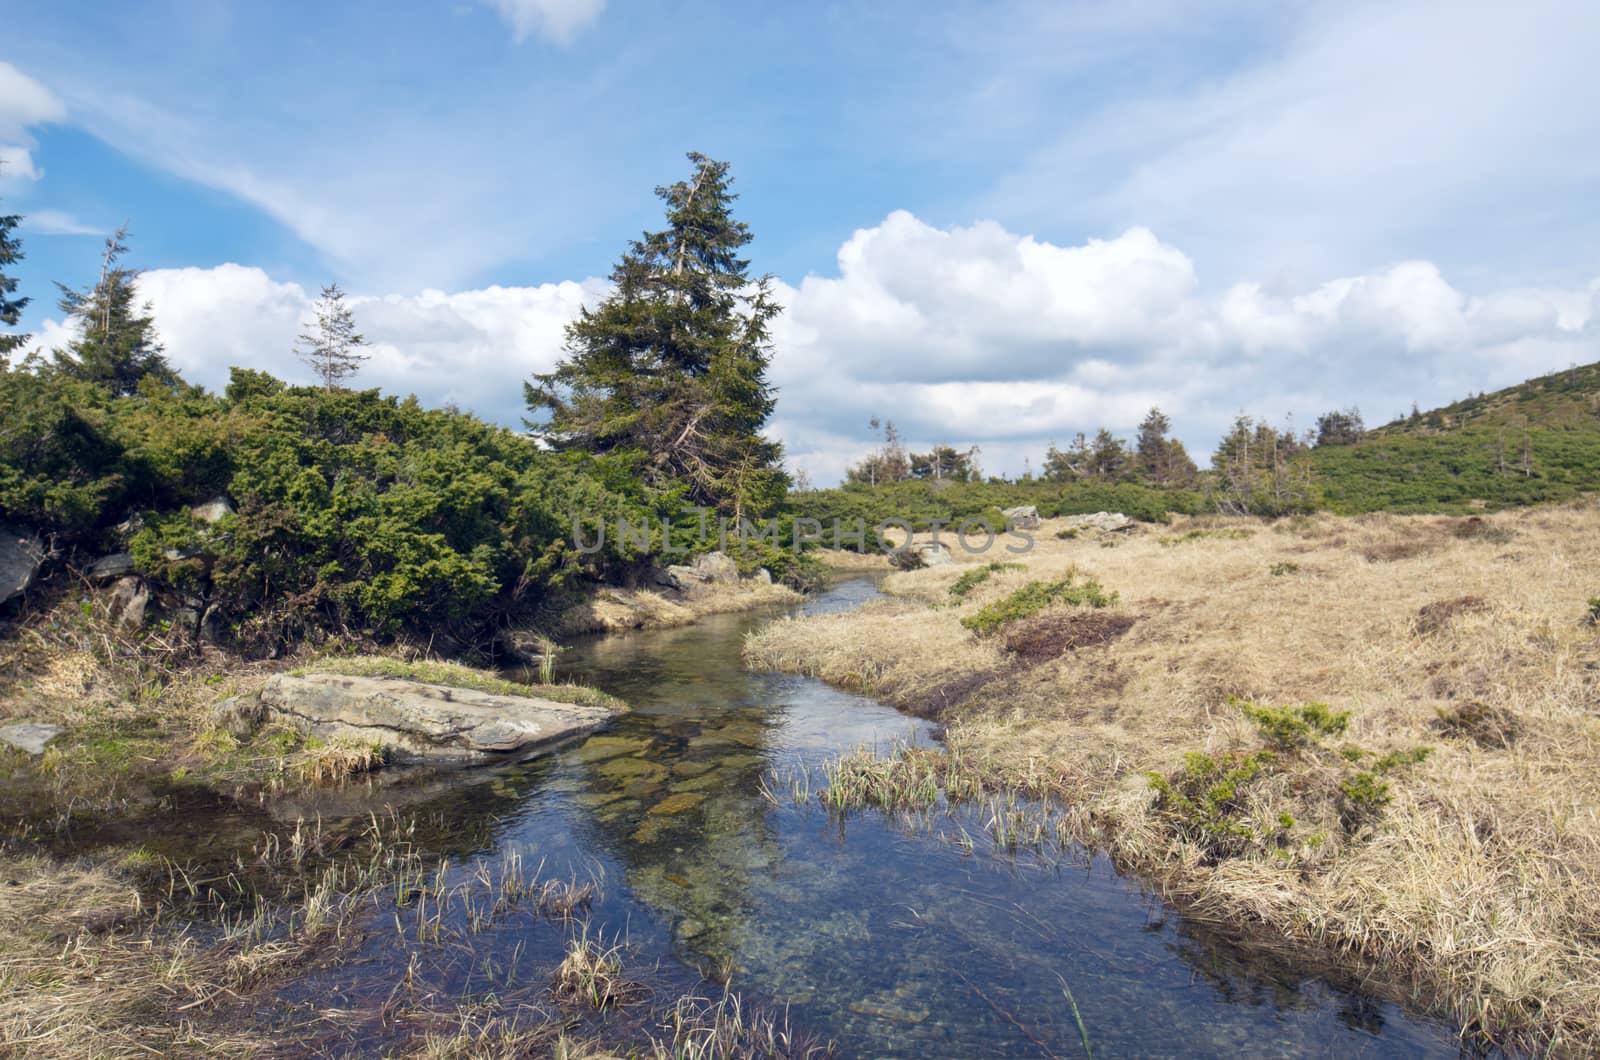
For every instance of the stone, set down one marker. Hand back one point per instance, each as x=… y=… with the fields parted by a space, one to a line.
x=126 y=602
x=212 y=510
x=106 y=568
x=623 y=770
x=21 y=556
x=29 y=737
x=713 y=568
x=1022 y=517
x=436 y=724
x=676 y=804
x=762 y=576
x=239 y=716
x=918 y=556
x=1105 y=522
x=600 y=748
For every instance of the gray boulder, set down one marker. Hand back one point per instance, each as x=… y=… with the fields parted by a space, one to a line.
x=212 y=510
x=126 y=602
x=762 y=576
x=239 y=716
x=21 y=555
x=713 y=568
x=116 y=565
x=436 y=724
x=1105 y=522
x=1023 y=517
x=29 y=737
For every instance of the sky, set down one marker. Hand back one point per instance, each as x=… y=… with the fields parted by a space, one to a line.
x=997 y=224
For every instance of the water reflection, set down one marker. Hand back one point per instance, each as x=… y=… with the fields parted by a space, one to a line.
x=879 y=934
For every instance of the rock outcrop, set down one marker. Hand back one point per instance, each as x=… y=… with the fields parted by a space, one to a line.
x=435 y=724
x=21 y=555
x=1023 y=517
x=712 y=568
x=116 y=565
x=1105 y=522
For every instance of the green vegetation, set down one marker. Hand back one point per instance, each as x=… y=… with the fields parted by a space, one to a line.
x=1205 y=802
x=976 y=577
x=1035 y=597
x=1291 y=728
x=666 y=380
x=1225 y=534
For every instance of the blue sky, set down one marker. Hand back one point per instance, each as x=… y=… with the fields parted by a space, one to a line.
x=998 y=223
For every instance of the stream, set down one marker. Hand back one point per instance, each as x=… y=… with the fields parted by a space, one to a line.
x=889 y=936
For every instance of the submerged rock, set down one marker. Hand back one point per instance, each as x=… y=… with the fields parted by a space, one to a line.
x=433 y=723
x=28 y=737
x=675 y=804
x=21 y=555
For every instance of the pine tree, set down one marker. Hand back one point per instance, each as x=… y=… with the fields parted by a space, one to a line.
x=117 y=346
x=1162 y=461
x=669 y=373
x=10 y=308
x=334 y=349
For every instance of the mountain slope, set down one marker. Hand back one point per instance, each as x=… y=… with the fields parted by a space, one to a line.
x=1535 y=442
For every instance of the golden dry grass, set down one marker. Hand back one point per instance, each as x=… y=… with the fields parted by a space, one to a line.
x=1480 y=883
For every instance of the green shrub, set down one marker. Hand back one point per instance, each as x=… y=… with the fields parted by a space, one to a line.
x=1035 y=597
x=1205 y=802
x=977 y=576
x=1292 y=728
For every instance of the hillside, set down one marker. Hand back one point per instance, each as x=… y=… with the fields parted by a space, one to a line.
x=1534 y=442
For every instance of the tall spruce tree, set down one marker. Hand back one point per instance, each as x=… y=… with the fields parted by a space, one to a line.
x=333 y=348
x=10 y=308
x=669 y=372
x=1162 y=461
x=117 y=345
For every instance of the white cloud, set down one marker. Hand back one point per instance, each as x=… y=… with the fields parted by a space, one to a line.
x=24 y=102
x=1371 y=125
x=58 y=223
x=555 y=20
x=966 y=335
x=471 y=348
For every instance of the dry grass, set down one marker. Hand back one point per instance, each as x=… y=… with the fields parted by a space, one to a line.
x=1480 y=881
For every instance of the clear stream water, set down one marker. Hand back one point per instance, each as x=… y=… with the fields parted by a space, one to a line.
x=878 y=933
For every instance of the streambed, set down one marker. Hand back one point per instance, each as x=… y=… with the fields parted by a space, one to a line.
x=891 y=937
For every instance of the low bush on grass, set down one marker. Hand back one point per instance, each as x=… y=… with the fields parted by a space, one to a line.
x=1292 y=728
x=976 y=577
x=1035 y=597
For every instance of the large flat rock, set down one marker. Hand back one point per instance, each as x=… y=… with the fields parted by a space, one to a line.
x=433 y=723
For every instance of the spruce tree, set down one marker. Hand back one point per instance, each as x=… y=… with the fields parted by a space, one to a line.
x=117 y=346
x=10 y=308
x=1162 y=461
x=333 y=349
x=668 y=374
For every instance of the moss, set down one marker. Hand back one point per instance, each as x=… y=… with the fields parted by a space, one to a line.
x=1035 y=597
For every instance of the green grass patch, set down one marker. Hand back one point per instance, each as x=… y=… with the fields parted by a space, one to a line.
x=1232 y=533
x=1035 y=597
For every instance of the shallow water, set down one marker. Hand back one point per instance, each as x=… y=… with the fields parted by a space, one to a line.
x=879 y=933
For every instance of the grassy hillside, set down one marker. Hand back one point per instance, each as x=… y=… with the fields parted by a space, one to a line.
x=1534 y=442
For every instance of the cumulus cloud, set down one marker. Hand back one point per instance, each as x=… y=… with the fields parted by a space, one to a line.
x=24 y=102
x=555 y=20
x=471 y=348
x=963 y=335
